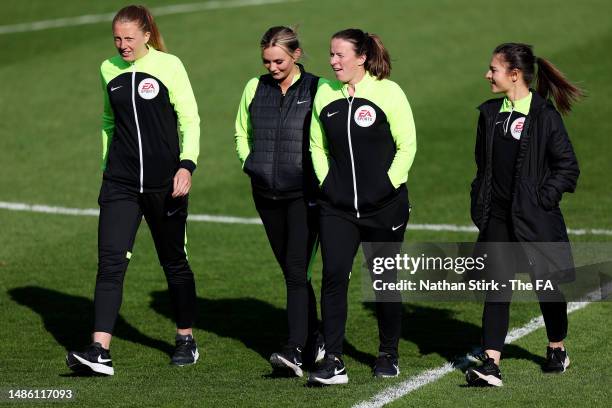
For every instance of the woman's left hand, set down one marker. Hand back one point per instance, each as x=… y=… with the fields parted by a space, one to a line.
x=182 y=183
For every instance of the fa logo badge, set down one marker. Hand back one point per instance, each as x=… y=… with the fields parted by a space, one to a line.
x=517 y=128
x=365 y=116
x=148 y=88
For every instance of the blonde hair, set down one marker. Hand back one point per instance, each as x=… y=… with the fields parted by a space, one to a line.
x=280 y=36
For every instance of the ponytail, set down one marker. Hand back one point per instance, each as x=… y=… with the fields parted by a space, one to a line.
x=551 y=82
x=378 y=61
x=143 y=17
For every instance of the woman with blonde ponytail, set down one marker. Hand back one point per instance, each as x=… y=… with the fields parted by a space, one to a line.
x=363 y=142
x=150 y=147
x=525 y=162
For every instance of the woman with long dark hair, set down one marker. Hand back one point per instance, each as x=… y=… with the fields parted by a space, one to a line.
x=525 y=162
x=150 y=137
x=272 y=139
x=363 y=143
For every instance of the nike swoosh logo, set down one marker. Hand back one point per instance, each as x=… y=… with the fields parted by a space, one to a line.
x=171 y=213
x=312 y=203
x=116 y=87
x=336 y=371
x=501 y=121
x=301 y=102
x=394 y=228
x=329 y=115
x=103 y=360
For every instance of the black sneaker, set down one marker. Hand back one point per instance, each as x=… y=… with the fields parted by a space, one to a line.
x=186 y=351
x=556 y=360
x=289 y=359
x=386 y=365
x=93 y=360
x=486 y=374
x=329 y=371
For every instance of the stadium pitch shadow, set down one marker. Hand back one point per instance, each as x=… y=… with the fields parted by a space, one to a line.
x=68 y=318
x=436 y=330
x=259 y=325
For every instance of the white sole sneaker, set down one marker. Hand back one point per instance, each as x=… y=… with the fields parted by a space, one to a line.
x=280 y=362
x=93 y=367
x=489 y=379
x=336 y=379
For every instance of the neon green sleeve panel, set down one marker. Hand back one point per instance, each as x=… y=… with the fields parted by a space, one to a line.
x=108 y=123
x=327 y=92
x=394 y=103
x=186 y=108
x=244 y=134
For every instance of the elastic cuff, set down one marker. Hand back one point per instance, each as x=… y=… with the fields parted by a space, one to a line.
x=187 y=164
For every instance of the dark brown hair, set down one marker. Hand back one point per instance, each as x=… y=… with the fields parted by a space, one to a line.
x=549 y=80
x=280 y=36
x=143 y=17
x=378 y=62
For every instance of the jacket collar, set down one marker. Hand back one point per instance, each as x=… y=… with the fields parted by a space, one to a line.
x=360 y=87
x=491 y=107
x=522 y=105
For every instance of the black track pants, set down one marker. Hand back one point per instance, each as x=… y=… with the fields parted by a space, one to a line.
x=292 y=229
x=340 y=239
x=121 y=211
x=496 y=314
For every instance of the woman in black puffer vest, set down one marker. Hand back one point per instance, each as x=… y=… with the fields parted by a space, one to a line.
x=272 y=142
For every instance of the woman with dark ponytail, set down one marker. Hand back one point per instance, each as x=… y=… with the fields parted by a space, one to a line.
x=150 y=147
x=363 y=143
x=525 y=162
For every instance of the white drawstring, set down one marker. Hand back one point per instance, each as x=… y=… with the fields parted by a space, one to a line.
x=506 y=123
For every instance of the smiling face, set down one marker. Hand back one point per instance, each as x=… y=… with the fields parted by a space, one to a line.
x=347 y=65
x=501 y=78
x=130 y=40
x=279 y=63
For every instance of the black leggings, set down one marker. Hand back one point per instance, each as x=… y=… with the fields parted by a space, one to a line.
x=121 y=211
x=292 y=229
x=340 y=239
x=496 y=314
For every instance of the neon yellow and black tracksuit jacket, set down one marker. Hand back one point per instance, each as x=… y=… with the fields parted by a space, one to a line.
x=147 y=103
x=363 y=146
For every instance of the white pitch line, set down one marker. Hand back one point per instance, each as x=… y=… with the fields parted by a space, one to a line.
x=404 y=388
x=227 y=219
x=156 y=11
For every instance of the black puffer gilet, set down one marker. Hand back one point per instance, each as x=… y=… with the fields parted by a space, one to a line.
x=279 y=162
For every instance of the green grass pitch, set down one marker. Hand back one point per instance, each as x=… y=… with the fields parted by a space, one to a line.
x=50 y=109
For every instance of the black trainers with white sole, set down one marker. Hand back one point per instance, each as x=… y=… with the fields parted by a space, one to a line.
x=93 y=360
x=386 y=365
x=487 y=374
x=186 y=351
x=557 y=360
x=289 y=359
x=329 y=371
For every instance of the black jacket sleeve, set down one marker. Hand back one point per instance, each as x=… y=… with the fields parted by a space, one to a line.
x=479 y=153
x=562 y=163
